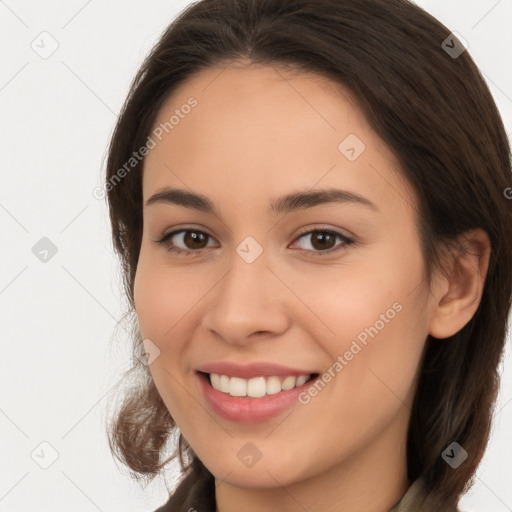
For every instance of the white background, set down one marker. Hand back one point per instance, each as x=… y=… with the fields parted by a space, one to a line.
x=59 y=355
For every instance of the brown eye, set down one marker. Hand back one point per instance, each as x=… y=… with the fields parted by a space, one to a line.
x=195 y=239
x=322 y=241
x=185 y=241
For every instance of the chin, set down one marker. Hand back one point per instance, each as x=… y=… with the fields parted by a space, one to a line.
x=263 y=474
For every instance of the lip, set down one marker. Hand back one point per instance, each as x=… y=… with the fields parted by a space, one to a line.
x=248 y=371
x=247 y=409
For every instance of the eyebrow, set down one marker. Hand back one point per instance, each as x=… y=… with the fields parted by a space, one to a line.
x=284 y=204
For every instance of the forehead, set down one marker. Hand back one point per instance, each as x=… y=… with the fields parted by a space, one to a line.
x=262 y=129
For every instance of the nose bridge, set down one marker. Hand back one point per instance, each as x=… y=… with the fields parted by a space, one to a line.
x=248 y=299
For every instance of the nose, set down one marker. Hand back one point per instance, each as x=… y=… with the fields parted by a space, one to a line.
x=249 y=302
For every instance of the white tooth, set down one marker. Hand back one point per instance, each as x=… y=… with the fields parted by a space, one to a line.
x=224 y=384
x=288 y=383
x=237 y=387
x=273 y=385
x=301 y=380
x=215 y=379
x=256 y=387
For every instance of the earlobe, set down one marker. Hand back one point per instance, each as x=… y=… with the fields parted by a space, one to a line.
x=460 y=290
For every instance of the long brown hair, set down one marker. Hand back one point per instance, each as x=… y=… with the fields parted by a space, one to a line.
x=434 y=111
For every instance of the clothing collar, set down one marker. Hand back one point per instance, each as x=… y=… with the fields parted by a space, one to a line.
x=416 y=489
x=201 y=496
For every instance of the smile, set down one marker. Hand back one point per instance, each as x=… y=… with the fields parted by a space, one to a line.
x=257 y=386
x=253 y=400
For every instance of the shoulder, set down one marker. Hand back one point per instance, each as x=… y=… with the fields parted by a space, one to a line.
x=414 y=500
x=195 y=491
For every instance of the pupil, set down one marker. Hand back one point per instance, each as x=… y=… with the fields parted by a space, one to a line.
x=322 y=236
x=192 y=237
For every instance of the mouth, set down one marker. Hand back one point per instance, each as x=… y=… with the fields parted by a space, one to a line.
x=255 y=387
x=254 y=400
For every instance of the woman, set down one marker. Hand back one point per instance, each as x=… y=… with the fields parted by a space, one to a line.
x=308 y=200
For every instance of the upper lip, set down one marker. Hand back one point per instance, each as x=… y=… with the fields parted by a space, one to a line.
x=248 y=371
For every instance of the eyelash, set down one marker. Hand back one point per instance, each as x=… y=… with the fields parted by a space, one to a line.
x=190 y=252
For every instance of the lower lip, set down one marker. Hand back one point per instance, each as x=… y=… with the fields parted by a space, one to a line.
x=247 y=409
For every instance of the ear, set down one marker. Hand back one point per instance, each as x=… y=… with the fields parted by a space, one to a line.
x=457 y=293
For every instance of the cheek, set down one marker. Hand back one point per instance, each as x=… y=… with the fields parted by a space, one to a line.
x=162 y=300
x=150 y=302
x=372 y=367
x=162 y=297
x=382 y=332
x=373 y=317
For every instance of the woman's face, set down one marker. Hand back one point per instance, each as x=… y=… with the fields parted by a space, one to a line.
x=332 y=285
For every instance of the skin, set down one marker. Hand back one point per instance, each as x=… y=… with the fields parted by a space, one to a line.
x=258 y=133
